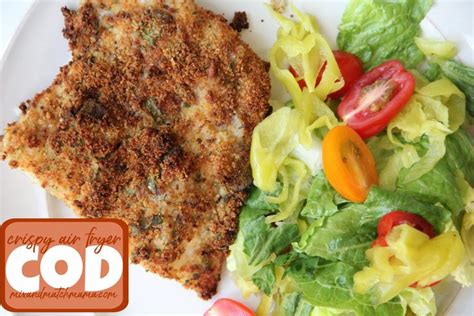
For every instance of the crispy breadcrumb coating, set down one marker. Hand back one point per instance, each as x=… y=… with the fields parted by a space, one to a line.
x=151 y=123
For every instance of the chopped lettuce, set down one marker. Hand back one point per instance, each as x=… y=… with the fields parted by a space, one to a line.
x=329 y=311
x=436 y=110
x=260 y=200
x=346 y=235
x=460 y=154
x=465 y=273
x=257 y=243
x=342 y=237
x=321 y=201
x=261 y=240
x=293 y=304
x=242 y=271
x=329 y=284
x=238 y=261
x=420 y=301
x=291 y=153
x=463 y=77
x=264 y=279
x=440 y=54
x=379 y=30
x=440 y=183
x=431 y=71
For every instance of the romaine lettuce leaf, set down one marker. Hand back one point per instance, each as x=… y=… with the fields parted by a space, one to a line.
x=249 y=214
x=345 y=236
x=328 y=311
x=420 y=301
x=432 y=71
x=463 y=77
x=287 y=259
x=465 y=273
x=416 y=136
x=259 y=199
x=380 y=202
x=242 y=271
x=293 y=304
x=379 y=30
x=329 y=284
x=439 y=54
x=256 y=243
x=460 y=154
x=264 y=279
x=261 y=240
x=321 y=199
x=341 y=237
x=440 y=184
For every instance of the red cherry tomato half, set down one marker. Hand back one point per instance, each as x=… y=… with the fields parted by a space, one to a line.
x=395 y=218
x=351 y=69
x=228 y=307
x=376 y=98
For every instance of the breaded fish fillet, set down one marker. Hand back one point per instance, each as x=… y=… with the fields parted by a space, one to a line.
x=151 y=123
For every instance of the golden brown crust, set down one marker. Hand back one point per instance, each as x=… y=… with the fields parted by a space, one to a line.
x=150 y=122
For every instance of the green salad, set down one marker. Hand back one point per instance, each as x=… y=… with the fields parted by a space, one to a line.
x=363 y=198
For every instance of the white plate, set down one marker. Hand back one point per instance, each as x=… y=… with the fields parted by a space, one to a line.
x=38 y=50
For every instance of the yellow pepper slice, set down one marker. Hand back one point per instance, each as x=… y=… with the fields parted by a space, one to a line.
x=410 y=257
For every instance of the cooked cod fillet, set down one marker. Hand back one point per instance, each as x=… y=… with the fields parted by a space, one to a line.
x=151 y=123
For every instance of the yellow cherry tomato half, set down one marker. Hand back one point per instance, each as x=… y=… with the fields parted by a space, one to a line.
x=348 y=164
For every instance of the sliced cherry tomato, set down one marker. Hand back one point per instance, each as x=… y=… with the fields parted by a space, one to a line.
x=228 y=307
x=351 y=69
x=395 y=218
x=376 y=98
x=348 y=163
